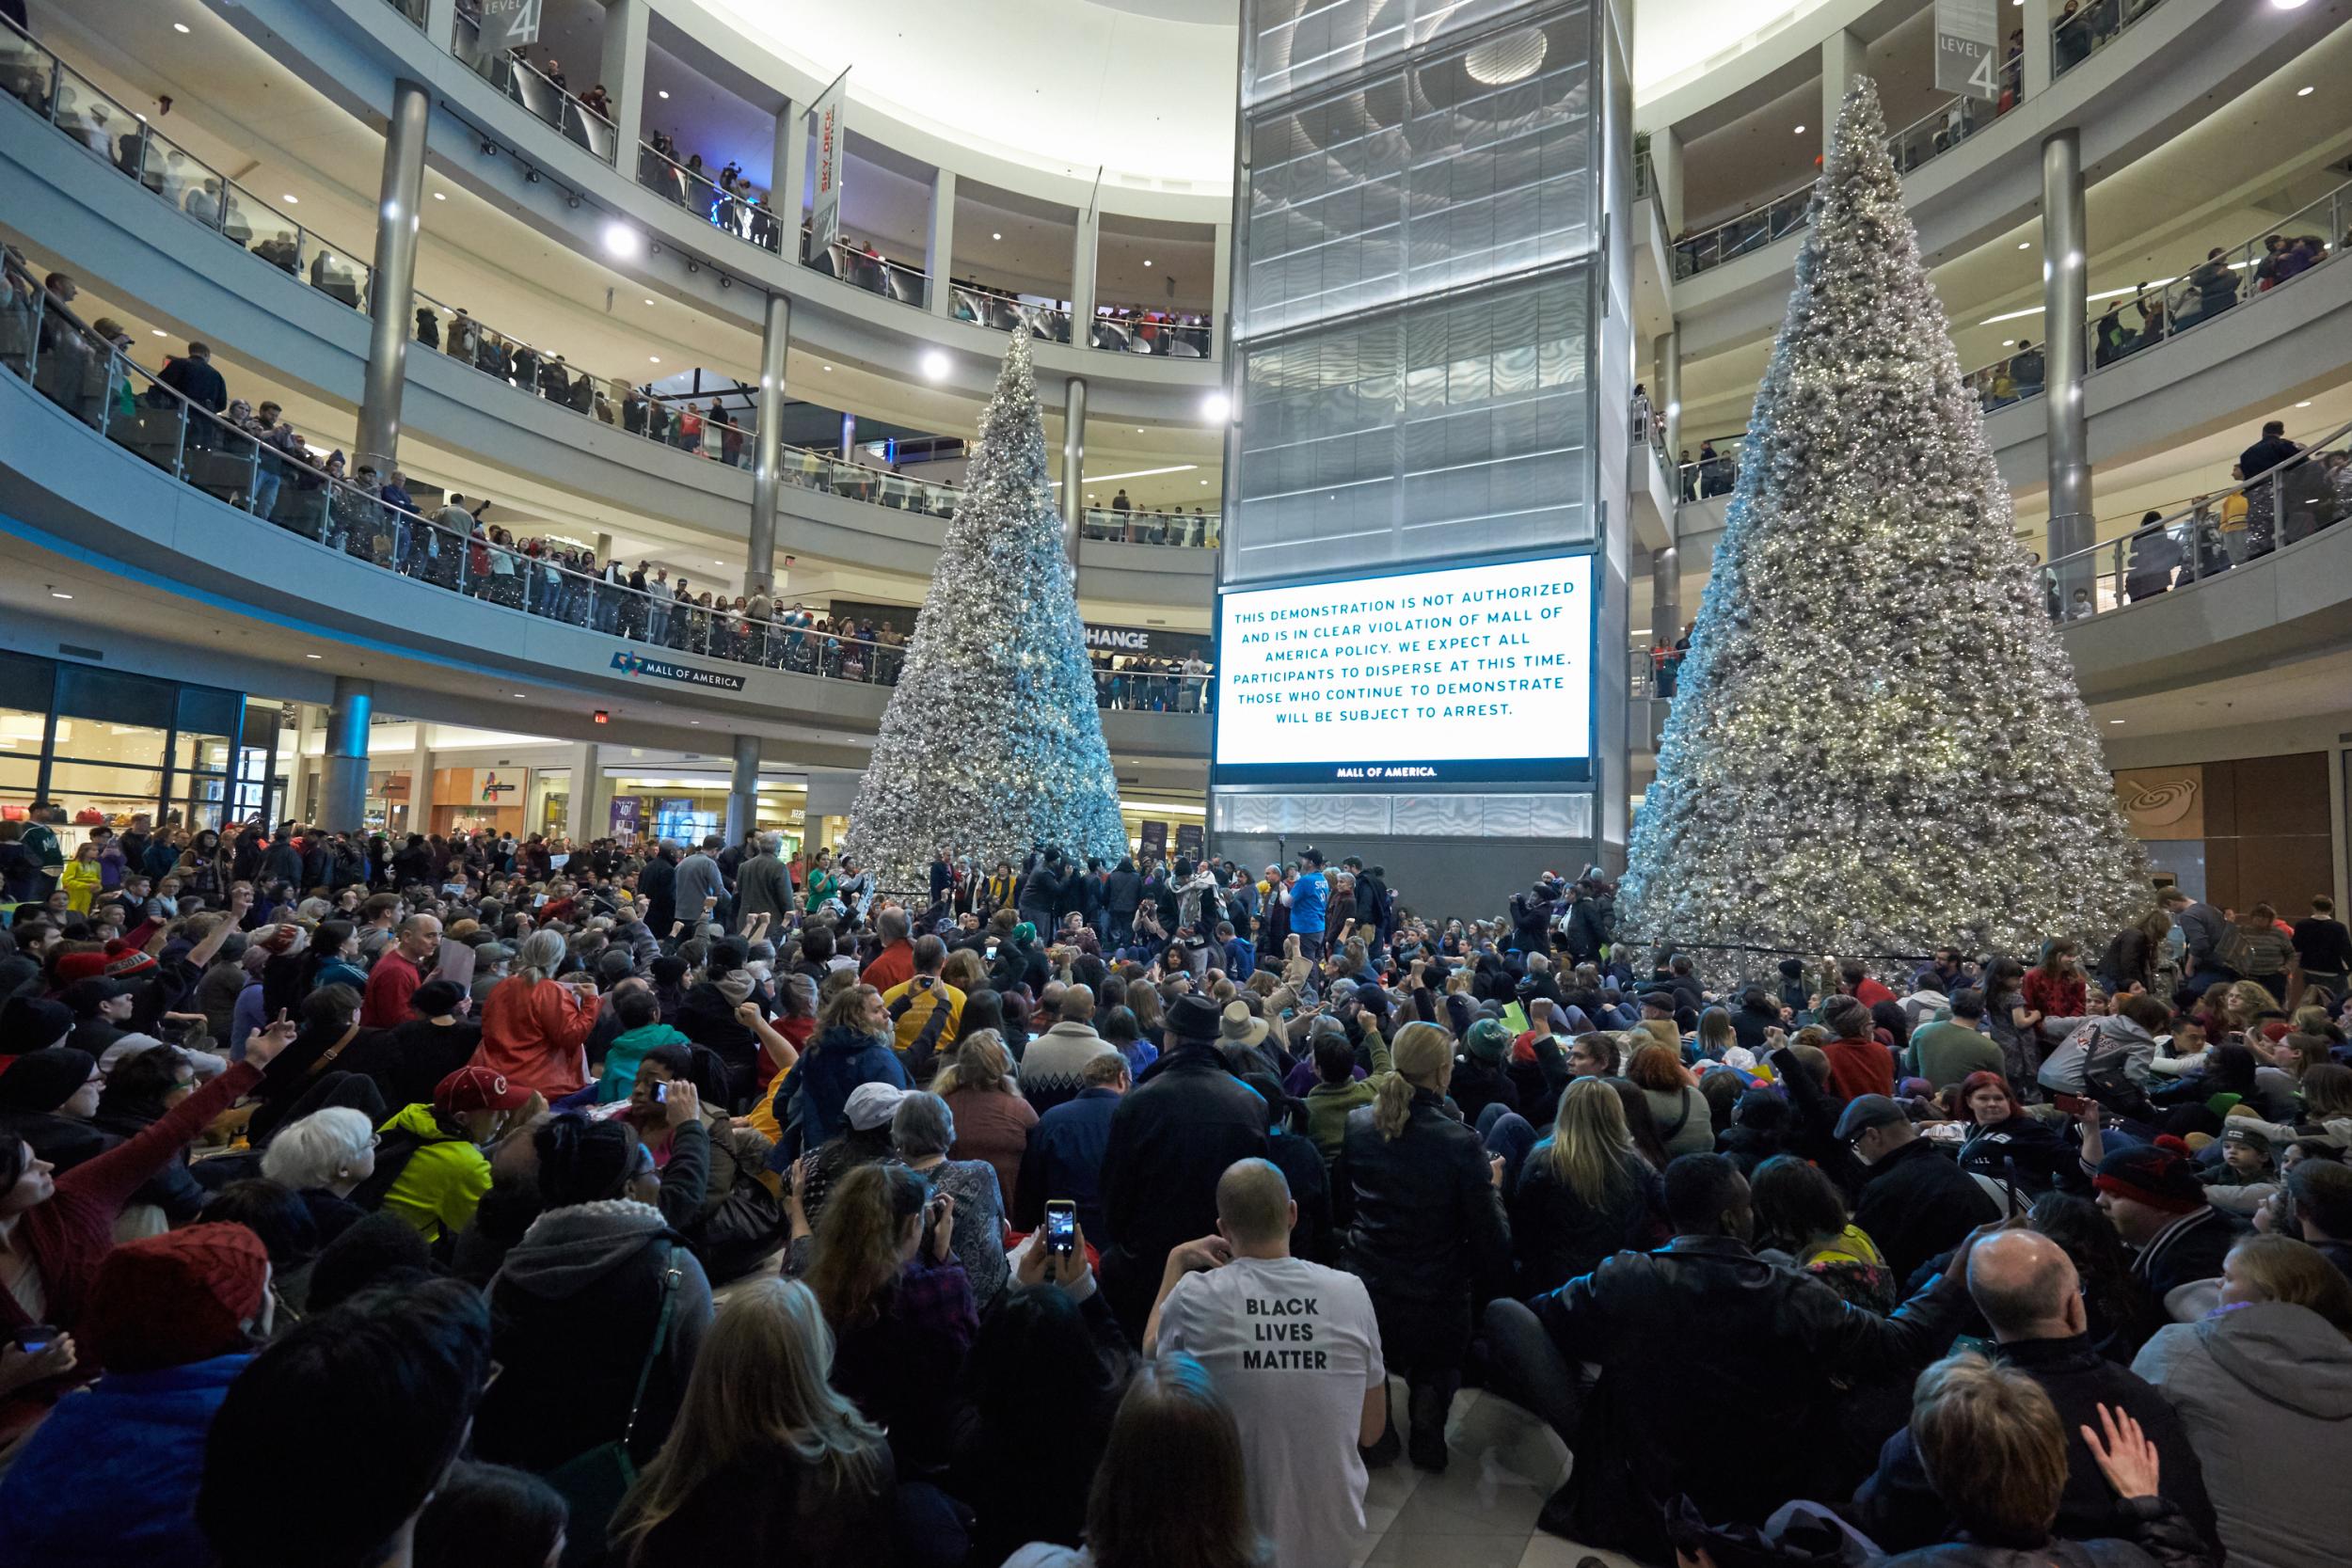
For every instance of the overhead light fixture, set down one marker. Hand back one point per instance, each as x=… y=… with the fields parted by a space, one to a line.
x=159 y=332
x=2288 y=4
x=2305 y=403
x=1141 y=473
x=315 y=656
x=693 y=266
x=649 y=302
x=179 y=26
x=726 y=281
x=935 y=366
x=829 y=369
x=622 y=241
x=571 y=198
x=1800 y=131
x=290 y=199
x=655 y=359
x=996 y=236
x=2025 y=245
x=522 y=696
x=438 y=196
x=1215 y=407
x=2302 y=92
x=531 y=177
x=2115 y=721
x=1511 y=57
x=1147 y=260
x=55 y=594
x=665 y=92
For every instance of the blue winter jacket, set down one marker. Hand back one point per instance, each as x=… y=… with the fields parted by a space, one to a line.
x=110 y=1478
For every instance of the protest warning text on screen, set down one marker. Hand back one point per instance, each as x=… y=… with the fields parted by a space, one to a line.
x=1462 y=675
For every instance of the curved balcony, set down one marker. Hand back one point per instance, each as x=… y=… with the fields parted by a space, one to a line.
x=297 y=302
x=101 y=463
x=866 y=312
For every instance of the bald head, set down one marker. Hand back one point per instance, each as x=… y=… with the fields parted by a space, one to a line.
x=2026 y=1286
x=1254 y=1208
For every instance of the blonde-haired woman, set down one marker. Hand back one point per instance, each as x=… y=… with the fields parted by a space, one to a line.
x=992 y=1119
x=766 y=1464
x=1584 y=1193
x=1427 y=1229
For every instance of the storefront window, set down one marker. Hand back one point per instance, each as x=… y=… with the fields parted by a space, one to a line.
x=109 y=789
x=551 y=801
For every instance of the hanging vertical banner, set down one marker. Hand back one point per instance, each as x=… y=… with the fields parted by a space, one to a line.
x=509 y=23
x=1968 y=47
x=829 y=136
x=628 y=816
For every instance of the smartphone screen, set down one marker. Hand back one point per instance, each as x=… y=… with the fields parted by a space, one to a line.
x=660 y=1092
x=1061 y=1226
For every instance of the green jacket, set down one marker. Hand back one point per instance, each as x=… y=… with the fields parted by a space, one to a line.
x=1327 y=1104
x=627 y=1051
x=1947 y=1050
x=443 y=1181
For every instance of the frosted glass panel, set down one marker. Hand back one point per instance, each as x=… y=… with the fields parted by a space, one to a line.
x=1435 y=174
x=1441 y=431
x=1295 y=44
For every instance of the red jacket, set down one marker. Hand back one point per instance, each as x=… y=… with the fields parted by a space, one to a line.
x=534 y=1034
x=1858 y=1068
x=71 y=1233
x=893 y=966
x=390 y=984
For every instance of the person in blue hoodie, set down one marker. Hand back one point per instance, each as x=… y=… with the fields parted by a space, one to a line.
x=852 y=1046
x=111 y=1476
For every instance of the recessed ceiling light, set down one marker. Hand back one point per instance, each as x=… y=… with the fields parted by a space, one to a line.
x=2025 y=245
x=2302 y=92
x=654 y=359
x=55 y=594
x=2287 y=5
x=829 y=369
x=2009 y=342
x=665 y=92
x=179 y=26
x=996 y=236
x=935 y=366
x=2115 y=721
x=1800 y=131
x=524 y=696
x=1147 y=260
x=718 y=564
x=159 y=332
x=2305 y=403
x=315 y=656
x=621 y=240
x=438 y=196
x=290 y=199
x=1214 y=408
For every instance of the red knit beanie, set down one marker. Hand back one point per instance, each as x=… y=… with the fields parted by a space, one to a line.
x=164 y=1301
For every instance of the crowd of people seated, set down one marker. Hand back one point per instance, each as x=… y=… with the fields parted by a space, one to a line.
x=639 y=1203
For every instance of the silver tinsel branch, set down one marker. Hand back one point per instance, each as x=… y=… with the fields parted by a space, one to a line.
x=992 y=742
x=1877 y=746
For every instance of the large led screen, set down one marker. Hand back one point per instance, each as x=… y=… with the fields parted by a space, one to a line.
x=1467 y=675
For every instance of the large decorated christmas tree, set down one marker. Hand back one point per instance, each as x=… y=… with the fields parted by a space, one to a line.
x=1877 y=747
x=992 y=742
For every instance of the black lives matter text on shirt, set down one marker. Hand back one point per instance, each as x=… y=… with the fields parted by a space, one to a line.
x=1283 y=1329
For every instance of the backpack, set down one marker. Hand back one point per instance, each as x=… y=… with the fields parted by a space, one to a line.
x=393 y=1151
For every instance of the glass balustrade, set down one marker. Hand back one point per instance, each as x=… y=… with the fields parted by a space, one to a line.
x=413 y=10
x=1170 y=334
x=740 y=211
x=1949 y=123
x=1751 y=230
x=1003 y=310
x=44 y=344
x=207 y=196
x=2207 y=536
x=546 y=99
x=1714 y=472
x=2124 y=323
x=2085 y=27
x=862 y=266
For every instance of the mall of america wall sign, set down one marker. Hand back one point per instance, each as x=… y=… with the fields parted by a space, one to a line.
x=1464 y=675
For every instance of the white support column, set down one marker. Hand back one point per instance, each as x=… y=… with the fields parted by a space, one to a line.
x=2036 y=17
x=787 y=180
x=1221 y=292
x=1665 y=164
x=624 y=77
x=421 y=784
x=440 y=22
x=939 y=245
x=1082 y=280
x=1842 y=55
x=582 y=813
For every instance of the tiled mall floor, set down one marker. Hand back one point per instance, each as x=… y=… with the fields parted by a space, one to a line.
x=1481 y=1513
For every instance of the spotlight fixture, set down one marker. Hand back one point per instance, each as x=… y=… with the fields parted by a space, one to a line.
x=1215 y=407
x=935 y=366
x=693 y=266
x=489 y=150
x=531 y=177
x=621 y=240
x=725 y=283
x=571 y=198
x=653 y=250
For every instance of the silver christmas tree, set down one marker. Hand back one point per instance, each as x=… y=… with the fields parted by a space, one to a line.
x=992 y=742
x=1877 y=746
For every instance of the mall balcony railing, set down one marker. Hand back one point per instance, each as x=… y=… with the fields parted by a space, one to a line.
x=110 y=131
x=1709 y=475
x=533 y=88
x=2158 y=312
x=2209 y=536
x=44 y=344
x=1953 y=121
x=864 y=269
x=1170 y=334
x=204 y=196
x=744 y=214
x=413 y=10
x=1735 y=237
x=2085 y=27
x=1002 y=310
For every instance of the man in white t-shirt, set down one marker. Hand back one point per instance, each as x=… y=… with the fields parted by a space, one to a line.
x=1294 y=1348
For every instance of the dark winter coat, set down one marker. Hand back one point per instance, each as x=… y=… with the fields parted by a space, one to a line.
x=1171 y=1140
x=1422 y=1211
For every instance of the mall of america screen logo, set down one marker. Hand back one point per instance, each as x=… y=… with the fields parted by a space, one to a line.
x=630 y=663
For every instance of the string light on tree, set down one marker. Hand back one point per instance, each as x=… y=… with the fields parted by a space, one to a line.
x=992 y=741
x=1876 y=745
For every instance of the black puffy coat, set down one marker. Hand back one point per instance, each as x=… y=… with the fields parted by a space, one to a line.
x=1701 y=1345
x=1424 y=1216
x=1171 y=1140
x=1558 y=1236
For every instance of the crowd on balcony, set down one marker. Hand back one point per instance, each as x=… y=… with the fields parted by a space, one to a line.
x=653 y=1205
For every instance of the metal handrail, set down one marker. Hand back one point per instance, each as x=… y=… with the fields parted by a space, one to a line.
x=2100 y=23
x=1691 y=481
x=229 y=461
x=2155 y=558
x=1940 y=119
x=2182 y=304
x=484 y=64
x=1002 y=309
x=1117 y=328
x=760 y=224
x=1781 y=216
